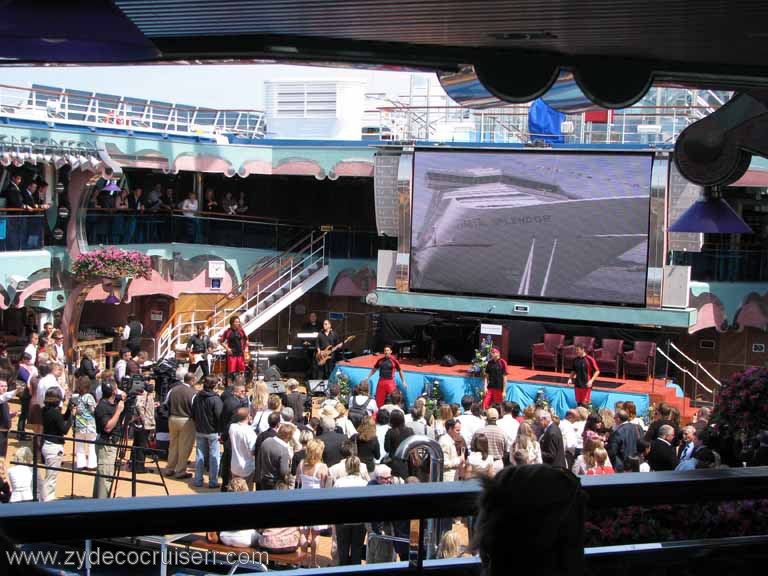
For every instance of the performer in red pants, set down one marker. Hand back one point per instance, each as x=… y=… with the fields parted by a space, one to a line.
x=386 y=365
x=585 y=372
x=495 y=380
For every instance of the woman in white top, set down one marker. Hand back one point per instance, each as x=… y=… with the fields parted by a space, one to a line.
x=527 y=442
x=189 y=206
x=312 y=474
x=20 y=476
x=631 y=409
x=586 y=459
x=480 y=461
x=344 y=422
x=189 y=210
x=382 y=427
x=259 y=409
x=350 y=537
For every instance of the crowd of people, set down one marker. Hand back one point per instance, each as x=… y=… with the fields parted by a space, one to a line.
x=241 y=437
x=128 y=215
x=22 y=201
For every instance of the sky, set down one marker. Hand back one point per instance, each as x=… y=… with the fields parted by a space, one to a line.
x=215 y=86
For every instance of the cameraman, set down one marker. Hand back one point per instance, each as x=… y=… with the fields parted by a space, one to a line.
x=107 y=415
x=143 y=425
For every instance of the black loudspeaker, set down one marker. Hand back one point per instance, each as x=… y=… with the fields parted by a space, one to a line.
x=448 y=360
x=272 y=373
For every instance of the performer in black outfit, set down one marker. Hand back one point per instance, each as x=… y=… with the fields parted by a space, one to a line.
x=327 y=337
x=312 y=325
x=198 y=347
x=132 y=334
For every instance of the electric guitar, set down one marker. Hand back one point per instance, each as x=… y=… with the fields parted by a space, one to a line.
x=322 y=356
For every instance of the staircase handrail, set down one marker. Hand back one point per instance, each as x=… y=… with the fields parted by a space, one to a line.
x=166 y=332
x=683 y=370
x=237 y=290
x=292 y=257
x=695 y=363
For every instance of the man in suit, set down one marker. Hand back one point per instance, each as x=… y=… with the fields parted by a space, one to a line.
x=273 y=420
x=295 y=400
x=12 y=192
x=332 y=440
x=623 y=442
x=664 y=418
x=687 y=445
x=662 y=456
x=551 y=441
x=691 y=451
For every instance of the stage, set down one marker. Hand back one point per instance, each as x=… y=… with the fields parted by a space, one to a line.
x=522 y=384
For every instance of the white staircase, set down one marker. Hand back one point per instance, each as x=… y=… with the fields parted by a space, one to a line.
x=268 y=289
x=275 y=286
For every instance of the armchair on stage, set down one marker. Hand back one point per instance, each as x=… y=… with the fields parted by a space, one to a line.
x=569 y=352
x=641 y=361
x=609 y=356
x=545 y=354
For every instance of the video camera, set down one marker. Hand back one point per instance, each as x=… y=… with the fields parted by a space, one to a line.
x=134 y=385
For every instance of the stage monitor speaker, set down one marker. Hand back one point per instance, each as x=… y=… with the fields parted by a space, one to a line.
x=272 y=373
x=318 y=387
x=275 y=386
x=448 y=360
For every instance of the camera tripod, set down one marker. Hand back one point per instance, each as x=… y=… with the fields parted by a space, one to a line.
x=122 y=448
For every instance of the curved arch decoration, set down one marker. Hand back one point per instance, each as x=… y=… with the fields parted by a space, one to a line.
x=352 y=167
x=299 y=167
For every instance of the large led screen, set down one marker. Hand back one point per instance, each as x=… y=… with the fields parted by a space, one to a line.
x=555 y=225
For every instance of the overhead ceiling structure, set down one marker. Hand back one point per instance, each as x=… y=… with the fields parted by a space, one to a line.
x=485 y=51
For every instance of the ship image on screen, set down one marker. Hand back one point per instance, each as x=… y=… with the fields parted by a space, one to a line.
x=556 y=225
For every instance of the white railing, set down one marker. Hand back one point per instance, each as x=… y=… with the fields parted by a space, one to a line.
x=648 y=125
x=292 y=267
x=60 y=105
x=696 y=364
x=687 y=374
x=178 y=330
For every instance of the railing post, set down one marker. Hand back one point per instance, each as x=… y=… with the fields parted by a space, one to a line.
x=35 y=479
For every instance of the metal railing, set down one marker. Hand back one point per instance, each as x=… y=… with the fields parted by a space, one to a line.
x=51 y=104
x=101 y=519
x=21 y=229
x=648 y=125
x=687 y=374
x=283 y=272
x=698 y=366
x=267 y=284
x=177 y=330
x=111 y=226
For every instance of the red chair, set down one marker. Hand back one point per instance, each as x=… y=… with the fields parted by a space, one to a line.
x=641 y=360
x=569 y=352
x=609 y=356
x=545 y=353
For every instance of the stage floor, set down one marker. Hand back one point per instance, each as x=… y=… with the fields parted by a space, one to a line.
x=520 y=374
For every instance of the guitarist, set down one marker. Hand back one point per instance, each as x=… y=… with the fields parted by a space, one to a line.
x=198 y=348
x=235 y=343
x=327 y=342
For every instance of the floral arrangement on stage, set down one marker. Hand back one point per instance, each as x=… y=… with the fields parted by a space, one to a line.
x=480 y=361
x=433 y=396
x=345 y=390
x=741 y=408
x=638 y=524
x=111 y=263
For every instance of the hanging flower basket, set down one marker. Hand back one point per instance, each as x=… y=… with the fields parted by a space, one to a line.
x=111 y=263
